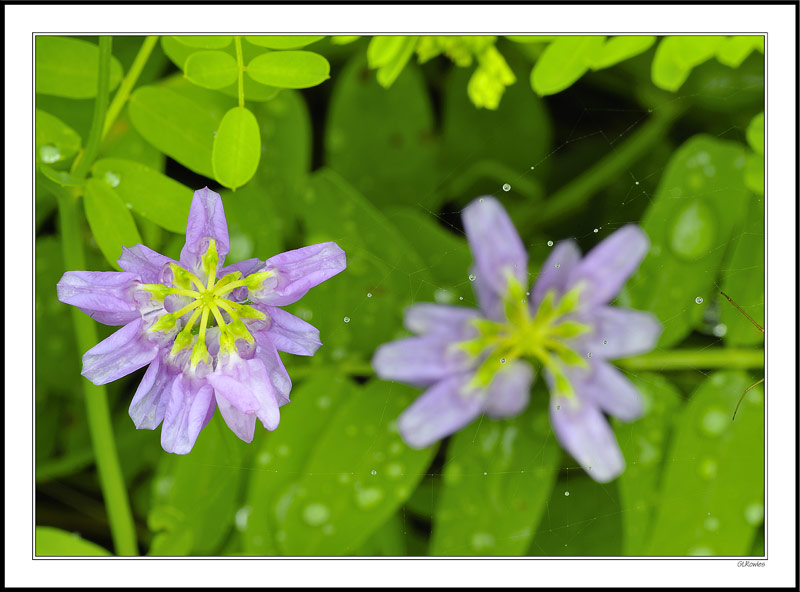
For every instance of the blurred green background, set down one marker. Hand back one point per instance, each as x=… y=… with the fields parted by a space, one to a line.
x=576 y=136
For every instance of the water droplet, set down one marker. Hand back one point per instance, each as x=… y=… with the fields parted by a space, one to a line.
x=699 y=300
x=461 y=298
x=589 y=355
x=394 y=470
x=283 y=450
x=373 y=472
x=711 y=524
x=596 y=230
x=316 y=514
x=347 y=319
x=720 y=329
x=366 y=498
x=49 y=154
x=549 y=243
x=637 y=182
x=693 y=231
x=754 y=514
x=506 y=187
x=533 y=167
x=482 y=540
x=558 y=265
x=502 y=360
x=605 y=342
x=523 y=301
x=566 y=493
x=472 y=277
x=264 y=458
x=369 y=294
x=344 y=478
x=443 y=296
x=112 y=179
x=485 y=473
x=700 y=551
x=241 y=518
x=715 y=422
x=324 y=402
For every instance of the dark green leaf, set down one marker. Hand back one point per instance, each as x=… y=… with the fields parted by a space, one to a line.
x=110 y=220
x=211 y=69
x=67 y=67
x=283 y=41
x=289 y=69
x=237 y=148
x=54 y=542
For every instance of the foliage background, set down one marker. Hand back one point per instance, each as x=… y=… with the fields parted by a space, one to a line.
x=381 y=157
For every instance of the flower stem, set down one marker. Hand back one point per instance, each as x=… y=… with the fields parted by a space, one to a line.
x=237 y=40
x=695 y=359
x=128 y=82
x=112 y=483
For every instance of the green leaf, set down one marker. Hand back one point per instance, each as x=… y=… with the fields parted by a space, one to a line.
x=211 y=69
x=531 y=38
x=204 y=41
x=55 y=140
x=383 y=273
x=677 y=56
x=390 y=54
x=743 y=280
x=289 y=69
x=619 y=49
x=644 y=447
x=54 y=542
x=237 y=148
x=754 y=173
x=155 y=196
x=62 y=178
x=700 y=202
x=563 y=62
x=712 y=497
x=357 y=475
x=176 y=125
x=110 y=220
x=383 y=142
x=755 y=133
x=732 y=51
x=67 y=67
x=490 y=79
x=344 y=39
x=283 y=41
x=497 y=478
x=196 y=495
x=282 y=457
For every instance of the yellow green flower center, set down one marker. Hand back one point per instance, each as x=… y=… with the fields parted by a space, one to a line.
x=539 y=337
x=211 y=305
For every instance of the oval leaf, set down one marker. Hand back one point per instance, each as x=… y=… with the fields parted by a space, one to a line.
x=237 y=148
x=283 y=41
x=204 y=41
x=563 y=62
x=110 y=220
x=176 y=125
x=55 y=140
x=211 y=69
x=289 y=69
x=67 y=67
x=54 y=542
x=676 y=57
x=621 y=48
x=155 y=196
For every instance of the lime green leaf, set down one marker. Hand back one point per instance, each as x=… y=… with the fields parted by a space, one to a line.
x=281 y=459
x=732 y=51
x=62 y=178
x=204 y=41
x=677 y=56
x=621 y=48
x=67 y=67
x=357 y=475
x=110 y=220
x=344 y=39
x=644 y=447
x=754 y=173
x=755 y=133
x=179 y=127
x=490 y=79
x=155 y=196
x=743 y=279
x=700 y=202
x=237 y=148
x=497 y=478
x=289 y=69
x=390 y=54
x=531 y=38
x=712 y=496
x=563 y=62
x=211 y=69
x=54 y=542
x=283 y=41
x=55 y=140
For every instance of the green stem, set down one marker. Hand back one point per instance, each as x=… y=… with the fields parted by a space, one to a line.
x=575 y=194
x=112 y=483
x=127 y=84
x=80 y=168
x=695 y=359
x=240 y=63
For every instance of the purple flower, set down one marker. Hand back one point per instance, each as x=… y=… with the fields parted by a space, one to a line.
x=209 y=333
x=475 y=361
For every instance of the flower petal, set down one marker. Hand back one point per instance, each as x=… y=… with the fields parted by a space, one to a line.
x=244 y=384
x=241 y=424
x=150 y=401
x=289 y=333
x=440 y=411
x=206 y=221
x=246 y=267
x=605 y=386
x=189 y=410
x=296 y=272
x=419 y=361
x=144 y=262
x=497 y=250
x=566 y=255
x=453 y=322
x=618 y=332
x=510 y=390
x=106 y=296
x=119 y=354
x=276 y=373
x=605 y=268
x=584 y=432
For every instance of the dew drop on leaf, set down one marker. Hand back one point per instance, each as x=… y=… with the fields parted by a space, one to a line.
x=566 y=493
x=472 y=277
x=49 y=154
x=549 y=243
x=112 y=179
x=347 y=319
x=506 y=187
x=699 y=300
